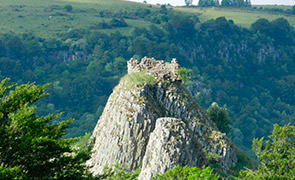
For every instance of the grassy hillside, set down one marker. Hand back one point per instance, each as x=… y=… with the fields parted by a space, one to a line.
x=242 y=17
x=47 y=18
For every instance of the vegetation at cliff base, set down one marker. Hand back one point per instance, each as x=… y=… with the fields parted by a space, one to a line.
x=188 y=173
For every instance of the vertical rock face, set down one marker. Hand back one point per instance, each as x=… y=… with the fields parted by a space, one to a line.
x=151 y=122
x=170 y=144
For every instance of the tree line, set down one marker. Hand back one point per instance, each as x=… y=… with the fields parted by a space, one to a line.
x=222 y=3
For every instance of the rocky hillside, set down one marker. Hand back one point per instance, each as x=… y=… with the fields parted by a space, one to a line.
x=151 y=122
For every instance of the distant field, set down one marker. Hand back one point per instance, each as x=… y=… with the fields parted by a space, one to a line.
x=47 y=18
x=242 y=17
x=284 y=7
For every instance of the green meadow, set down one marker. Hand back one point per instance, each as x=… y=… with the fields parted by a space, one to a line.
x=48 y=18
x=242 y=17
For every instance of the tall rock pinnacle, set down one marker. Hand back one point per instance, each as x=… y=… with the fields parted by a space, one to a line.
x=151 y=122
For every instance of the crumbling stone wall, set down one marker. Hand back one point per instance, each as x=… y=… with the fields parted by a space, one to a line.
x=158 y=69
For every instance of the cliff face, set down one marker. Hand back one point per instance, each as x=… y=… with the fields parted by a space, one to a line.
x=151 y=122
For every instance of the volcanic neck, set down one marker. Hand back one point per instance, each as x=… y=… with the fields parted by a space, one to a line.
x=151 y=122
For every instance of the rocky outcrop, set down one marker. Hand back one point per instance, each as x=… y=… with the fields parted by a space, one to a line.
x=170 y=144
x=151 y=122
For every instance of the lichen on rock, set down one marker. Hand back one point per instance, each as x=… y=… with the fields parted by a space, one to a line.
x=155 y=123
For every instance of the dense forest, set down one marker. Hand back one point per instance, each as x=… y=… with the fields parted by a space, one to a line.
x=250 y=71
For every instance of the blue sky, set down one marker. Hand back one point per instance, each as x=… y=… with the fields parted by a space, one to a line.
x=181 y=2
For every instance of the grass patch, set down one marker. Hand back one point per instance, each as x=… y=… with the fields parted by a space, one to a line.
x=139 y=78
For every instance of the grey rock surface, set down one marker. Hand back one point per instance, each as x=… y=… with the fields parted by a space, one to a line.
x=170 y=144
x=156 y=126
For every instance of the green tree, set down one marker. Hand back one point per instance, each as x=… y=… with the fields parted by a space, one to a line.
x=235 y=3
x=277 y=155
x=226 y=3
x=188 y=2
x=247 y=3
x=184 y=74
x=68 y=8
x=262 y=25
x=220 y=116
x=208 y=3
x=188 y=173
x=30 y=146
x=282 y=31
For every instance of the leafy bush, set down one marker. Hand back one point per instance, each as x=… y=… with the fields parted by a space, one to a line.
x=83 y=142
x=188 y=173
x=114 y=23
x=277 y=155
x=184 y=74
x=118 y=22
x=31 y=147
x=220 y=116
x=117 y=173
x=68 y=8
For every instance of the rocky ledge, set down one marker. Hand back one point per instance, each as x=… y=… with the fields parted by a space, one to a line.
x=151 y=122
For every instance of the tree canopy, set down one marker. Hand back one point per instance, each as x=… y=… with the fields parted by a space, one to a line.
x=188 y=2
x=31 y=147
x=208 y=3
x=220 y=116
x=235 y=3
x=277 y=155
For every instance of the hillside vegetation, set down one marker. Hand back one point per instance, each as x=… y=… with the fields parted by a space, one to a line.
x=241 y=17
x=51 y=18
x=81 y=48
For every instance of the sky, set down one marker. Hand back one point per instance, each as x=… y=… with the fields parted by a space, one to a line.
x=181 y=2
